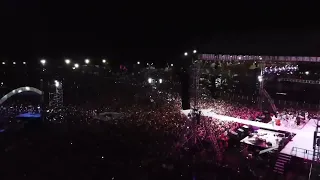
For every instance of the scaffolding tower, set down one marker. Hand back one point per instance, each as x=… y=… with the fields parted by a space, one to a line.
x=210 y=135
x=56 y=97
x=196 y=84
x=263 y=93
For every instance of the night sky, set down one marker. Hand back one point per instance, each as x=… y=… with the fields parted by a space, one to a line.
x=156 y=32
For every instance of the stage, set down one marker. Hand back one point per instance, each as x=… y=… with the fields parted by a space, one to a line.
x=29 y=115
x=269 y=136
x=300 y=146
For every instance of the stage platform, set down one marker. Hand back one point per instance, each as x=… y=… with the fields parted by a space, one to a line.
x=29 y=115
x=301 y=145
x=269 y=136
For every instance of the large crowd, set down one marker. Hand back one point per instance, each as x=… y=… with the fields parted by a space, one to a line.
x=153 y=140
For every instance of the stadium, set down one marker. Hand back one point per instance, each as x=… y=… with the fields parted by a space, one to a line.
x=254 y=116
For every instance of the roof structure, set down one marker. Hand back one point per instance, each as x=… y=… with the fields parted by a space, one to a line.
x=228 y=57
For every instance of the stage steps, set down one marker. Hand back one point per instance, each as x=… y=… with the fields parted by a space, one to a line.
x=282 y=160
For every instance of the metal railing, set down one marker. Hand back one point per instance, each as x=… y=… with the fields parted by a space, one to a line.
x=307 y=154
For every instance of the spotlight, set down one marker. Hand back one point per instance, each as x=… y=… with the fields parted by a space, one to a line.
x=56 y=83
x=67 y=61
x=260 y=78
x=43 y=62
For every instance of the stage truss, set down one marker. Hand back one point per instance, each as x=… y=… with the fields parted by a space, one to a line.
x=299 y=81
x=56 y=98
x=263 y=93
x=228 y=57
x=261 y=60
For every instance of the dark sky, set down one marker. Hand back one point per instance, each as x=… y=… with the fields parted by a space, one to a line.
x=151 y=31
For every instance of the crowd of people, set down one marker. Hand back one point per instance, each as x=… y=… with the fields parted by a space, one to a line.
x=143 y=143
x=153 y=140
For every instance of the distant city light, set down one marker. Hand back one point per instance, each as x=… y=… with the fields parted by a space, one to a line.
x=260 y=78
x=104 y=61
x=149 y=80
x=87 y=61
x=171 y=65
x=307 y=72
x=76 y=65
x=43 y=61
x=24 y=62
x=194 y=51
x=185 y=54
x=67 y=61
x=13 y=62
x=138 y=62
x=3 y=63
x=160 y=81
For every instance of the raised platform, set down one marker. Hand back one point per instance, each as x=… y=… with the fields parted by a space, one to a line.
x=29 y=115
x=301 y=144
x=269 y=136
x=208 y=112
